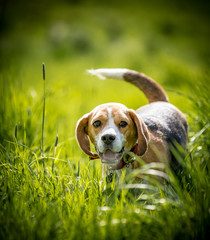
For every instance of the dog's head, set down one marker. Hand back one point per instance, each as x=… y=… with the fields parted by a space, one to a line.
x=114 y=130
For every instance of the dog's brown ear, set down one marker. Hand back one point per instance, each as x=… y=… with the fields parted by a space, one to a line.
x=82 y=136
x=142 y=132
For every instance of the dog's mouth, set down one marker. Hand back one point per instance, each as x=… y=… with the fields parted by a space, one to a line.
x=110 y=157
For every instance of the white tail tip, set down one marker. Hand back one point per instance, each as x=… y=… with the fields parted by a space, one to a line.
x=103 y=73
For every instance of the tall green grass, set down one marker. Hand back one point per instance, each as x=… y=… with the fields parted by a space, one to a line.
x=47 y=197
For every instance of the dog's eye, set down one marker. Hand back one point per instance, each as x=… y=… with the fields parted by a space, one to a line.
x=123 y=124
x=97 y=124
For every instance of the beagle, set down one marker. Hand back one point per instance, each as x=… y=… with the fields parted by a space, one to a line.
x=148 y=132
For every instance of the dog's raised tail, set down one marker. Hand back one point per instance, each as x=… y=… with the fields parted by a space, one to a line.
x=153 y=91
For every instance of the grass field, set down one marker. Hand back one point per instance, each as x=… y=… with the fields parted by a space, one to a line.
x=48 y=188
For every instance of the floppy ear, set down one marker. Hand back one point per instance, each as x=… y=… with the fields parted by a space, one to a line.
x=82 y=136
x=143 y=134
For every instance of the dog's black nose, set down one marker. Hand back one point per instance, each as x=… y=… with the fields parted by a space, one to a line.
x=108 y=138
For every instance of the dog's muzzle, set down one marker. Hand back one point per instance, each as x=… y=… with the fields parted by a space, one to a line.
x=109 y=154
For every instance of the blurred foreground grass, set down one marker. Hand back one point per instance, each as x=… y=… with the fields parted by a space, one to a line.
x=167 y=42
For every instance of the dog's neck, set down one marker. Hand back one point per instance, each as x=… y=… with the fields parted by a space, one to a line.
x=110 y=172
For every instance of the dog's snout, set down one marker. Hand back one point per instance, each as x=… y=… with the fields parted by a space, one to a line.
x=108 y=138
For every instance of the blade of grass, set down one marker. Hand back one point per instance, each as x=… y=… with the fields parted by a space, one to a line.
x=43 y=115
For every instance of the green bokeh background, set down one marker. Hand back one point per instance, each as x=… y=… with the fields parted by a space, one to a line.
x=167 y=41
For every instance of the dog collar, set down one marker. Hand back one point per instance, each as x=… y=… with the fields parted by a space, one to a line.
x=135 y=149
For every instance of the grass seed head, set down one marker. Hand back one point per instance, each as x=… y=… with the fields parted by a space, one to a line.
x=43 y=70
x=16 y=129
x=56 y=141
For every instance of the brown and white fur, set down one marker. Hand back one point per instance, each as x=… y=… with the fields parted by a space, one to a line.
x=116 y=130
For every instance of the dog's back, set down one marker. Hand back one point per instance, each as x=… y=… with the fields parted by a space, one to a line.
x=165 y=121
